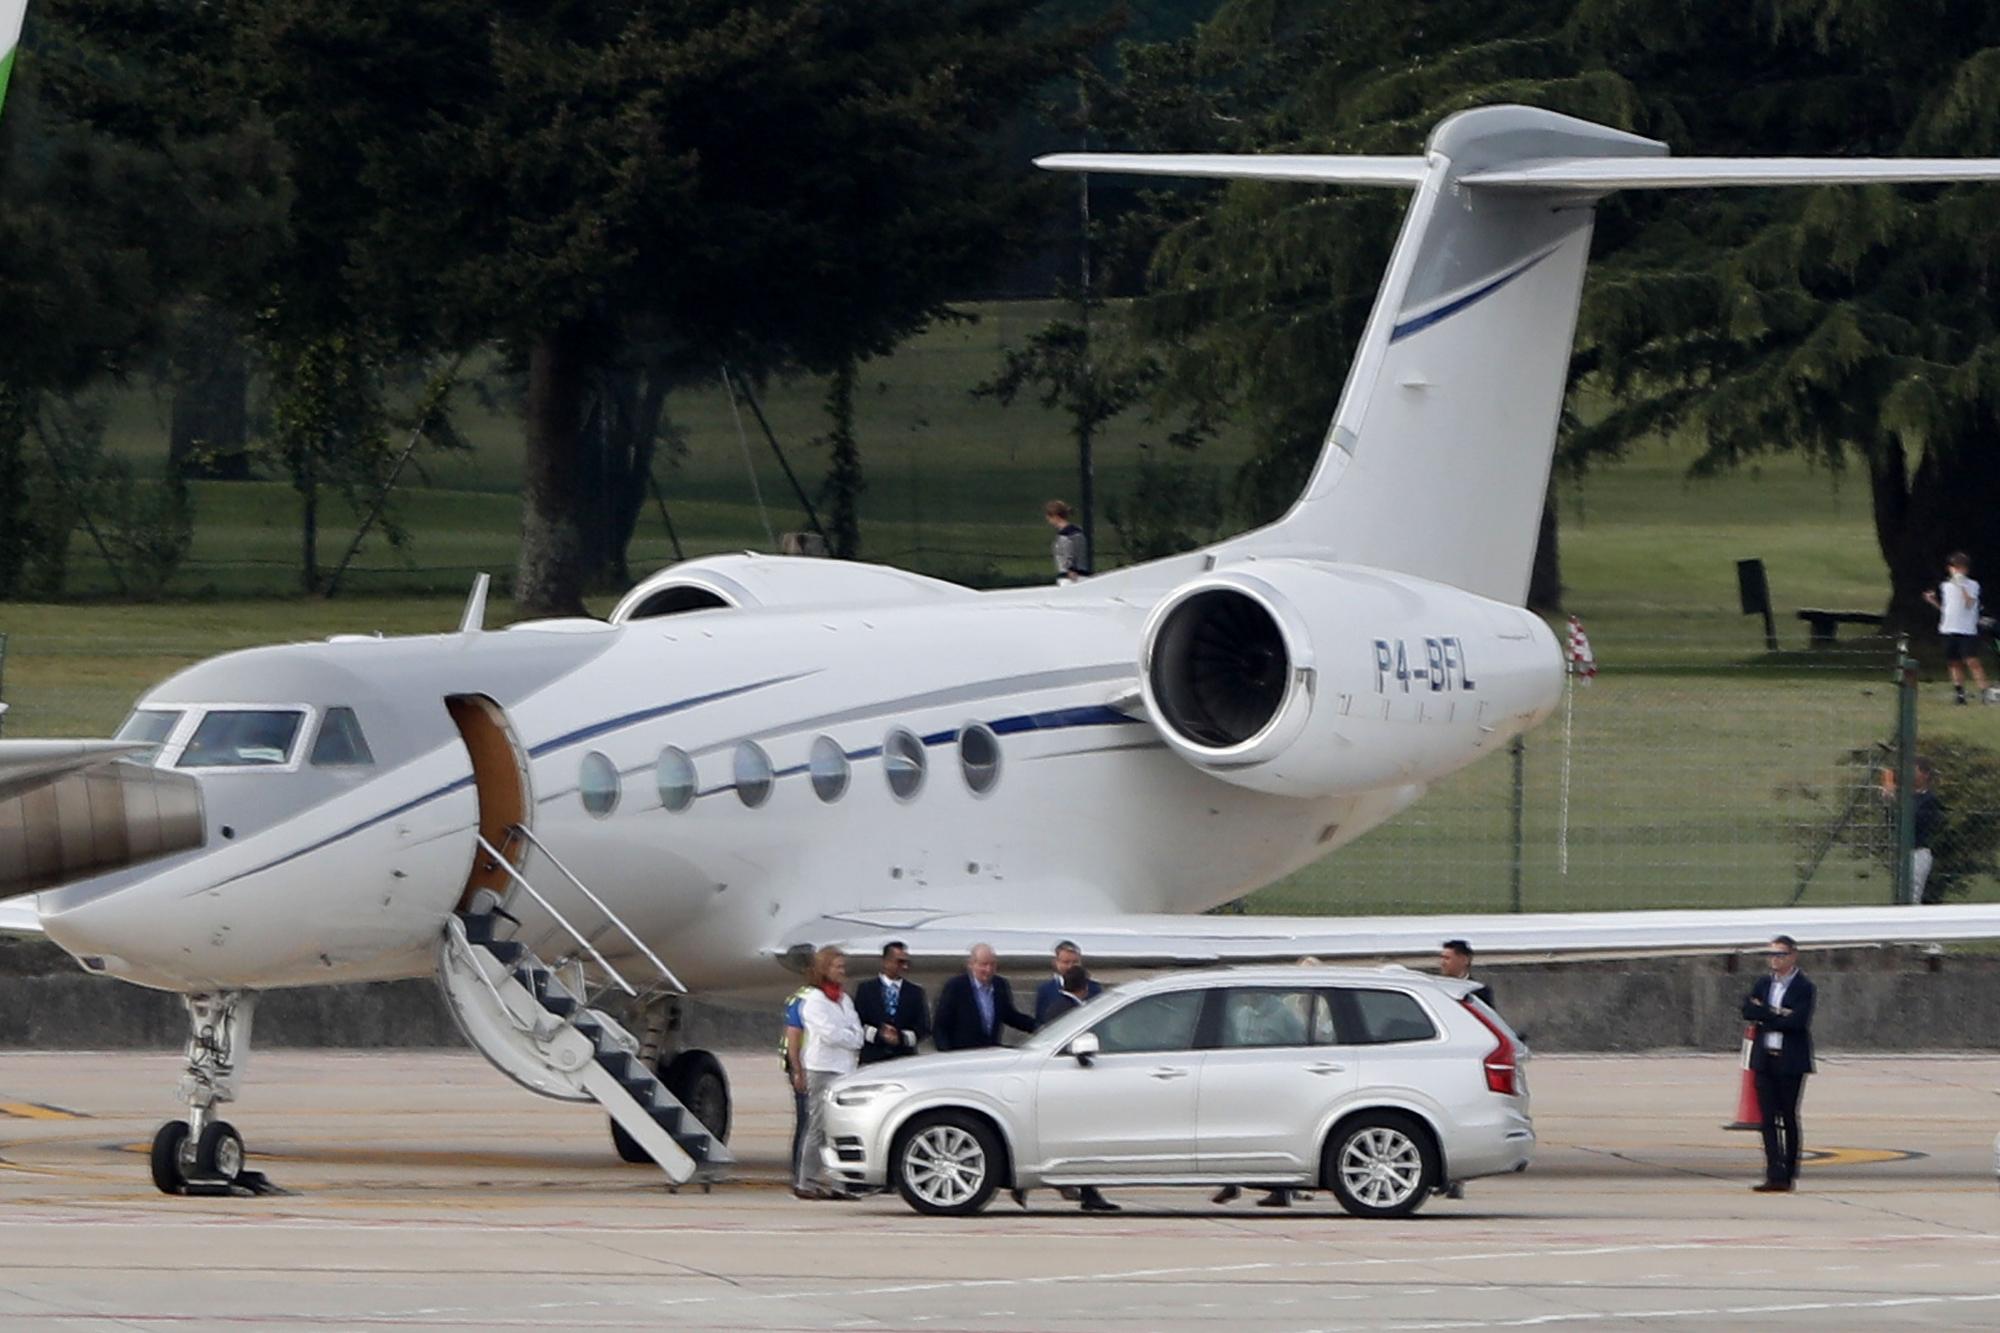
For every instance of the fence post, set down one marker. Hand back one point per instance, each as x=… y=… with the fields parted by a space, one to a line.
x=1906 y=770
x=1520 y=807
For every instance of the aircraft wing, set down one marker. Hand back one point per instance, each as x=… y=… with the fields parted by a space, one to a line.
x=1190 y=941
x=26 y=765
x=18 y=916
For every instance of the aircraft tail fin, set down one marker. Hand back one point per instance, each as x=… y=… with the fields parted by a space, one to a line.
x=11 y=12
x=1437 y=460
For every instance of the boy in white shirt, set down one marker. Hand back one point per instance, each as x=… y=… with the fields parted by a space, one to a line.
x=1957 y=603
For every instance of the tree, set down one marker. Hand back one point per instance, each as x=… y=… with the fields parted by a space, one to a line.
x=120 y=201
x=772 y=183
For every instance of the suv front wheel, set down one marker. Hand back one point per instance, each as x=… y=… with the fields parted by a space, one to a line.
x=946 y=1163
x=1380 y=1164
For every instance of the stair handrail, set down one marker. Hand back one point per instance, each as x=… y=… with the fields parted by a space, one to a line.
x=455 y=934
x=609 y=915
x=560 y=919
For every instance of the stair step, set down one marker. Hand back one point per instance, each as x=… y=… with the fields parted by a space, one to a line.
x=669 y=1118
x=478 y=928
x=507 y=951
x=559 y=1005
x=695 y=1146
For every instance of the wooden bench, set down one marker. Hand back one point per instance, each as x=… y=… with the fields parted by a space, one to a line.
x=1826 y=624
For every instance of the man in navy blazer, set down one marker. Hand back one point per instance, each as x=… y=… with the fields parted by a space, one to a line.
x=894 y=1017
x=975 y=1005
x=1780 y=1010
x=1049 y=995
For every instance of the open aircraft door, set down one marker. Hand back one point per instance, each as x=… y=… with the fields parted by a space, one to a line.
x=500 y=778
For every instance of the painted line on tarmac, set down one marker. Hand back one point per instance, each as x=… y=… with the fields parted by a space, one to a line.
x=1706 y=1312
x=39 y=1111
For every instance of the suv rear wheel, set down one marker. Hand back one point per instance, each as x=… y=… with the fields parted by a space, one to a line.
x=1380 y=1164
x=947 y=1164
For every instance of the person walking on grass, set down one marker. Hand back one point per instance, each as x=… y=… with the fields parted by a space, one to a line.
x=1957 y=604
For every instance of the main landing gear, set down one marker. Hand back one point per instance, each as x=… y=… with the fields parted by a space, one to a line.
x=202 y=1154
x=694 y=1077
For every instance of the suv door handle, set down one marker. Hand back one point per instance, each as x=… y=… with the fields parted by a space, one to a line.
x=1170 y=1073
x=1325 y=1068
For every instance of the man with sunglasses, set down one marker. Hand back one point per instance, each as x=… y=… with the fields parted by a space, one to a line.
x=1780 y=1008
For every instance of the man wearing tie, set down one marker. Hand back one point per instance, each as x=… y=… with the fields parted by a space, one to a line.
x=976 y=1004
x=1780 y=1008
x=1049 y=1001
x=894 y=1017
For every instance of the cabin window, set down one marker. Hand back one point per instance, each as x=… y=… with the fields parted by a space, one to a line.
x=979 y=757
x=243 y=738
x=829 y=768
x=597 y=785
x=675 y=778
x=753 y=774
x=903 y=761
x=340 y=743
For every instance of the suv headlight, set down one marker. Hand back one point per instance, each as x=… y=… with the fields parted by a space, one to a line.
x=860 y=1094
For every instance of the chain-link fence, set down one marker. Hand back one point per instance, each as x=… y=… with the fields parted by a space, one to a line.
x=1683 y=778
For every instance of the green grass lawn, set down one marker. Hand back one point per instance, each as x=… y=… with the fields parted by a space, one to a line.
x=1700 y=771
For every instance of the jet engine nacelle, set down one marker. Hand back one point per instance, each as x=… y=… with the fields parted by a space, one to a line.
x=1310 y=679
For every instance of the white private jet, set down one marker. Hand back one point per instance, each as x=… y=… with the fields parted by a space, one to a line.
x=755 y=756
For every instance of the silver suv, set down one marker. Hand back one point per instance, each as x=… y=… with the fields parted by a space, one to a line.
x=1380 y=1085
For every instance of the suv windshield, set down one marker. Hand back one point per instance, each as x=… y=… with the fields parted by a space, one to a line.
x=242 y=738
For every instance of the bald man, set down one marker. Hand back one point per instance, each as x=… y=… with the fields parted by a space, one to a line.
x=975 y=1005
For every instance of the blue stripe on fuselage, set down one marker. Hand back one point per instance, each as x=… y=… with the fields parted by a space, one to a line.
x=1418 y=323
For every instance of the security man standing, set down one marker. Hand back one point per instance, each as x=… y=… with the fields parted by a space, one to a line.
x=1780 y=1008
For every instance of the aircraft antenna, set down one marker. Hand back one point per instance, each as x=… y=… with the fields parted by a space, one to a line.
x=473 y=621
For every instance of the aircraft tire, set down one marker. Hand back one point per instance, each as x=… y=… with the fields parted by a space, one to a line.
x=166 y=1157
x=698 y=1082
x=219 y=1153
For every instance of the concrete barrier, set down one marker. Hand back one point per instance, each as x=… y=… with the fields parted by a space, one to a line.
x=1870 y=1000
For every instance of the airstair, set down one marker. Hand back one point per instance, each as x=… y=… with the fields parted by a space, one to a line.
x=534 y=1021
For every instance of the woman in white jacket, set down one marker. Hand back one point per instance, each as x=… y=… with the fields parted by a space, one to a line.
x=832 y=1047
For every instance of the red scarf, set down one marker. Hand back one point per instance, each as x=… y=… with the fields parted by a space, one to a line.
x=831 y=989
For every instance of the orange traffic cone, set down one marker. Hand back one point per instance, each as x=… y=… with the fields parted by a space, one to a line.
x=1749 y=1115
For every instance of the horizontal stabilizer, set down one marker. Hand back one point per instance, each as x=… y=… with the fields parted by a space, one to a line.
x=25 y=765
x=20 y=919
x=1192 y=941
x=1317 y=168
x=1682 y=173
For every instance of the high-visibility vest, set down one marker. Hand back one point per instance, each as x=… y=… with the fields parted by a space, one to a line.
x=784 y=1049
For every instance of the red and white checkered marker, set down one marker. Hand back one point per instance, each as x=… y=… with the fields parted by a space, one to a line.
x=1582 y=663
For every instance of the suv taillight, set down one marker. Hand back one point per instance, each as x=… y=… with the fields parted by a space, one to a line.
x=1502 y=1063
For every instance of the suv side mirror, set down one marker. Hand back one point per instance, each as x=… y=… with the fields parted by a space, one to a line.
x=1084 y=1047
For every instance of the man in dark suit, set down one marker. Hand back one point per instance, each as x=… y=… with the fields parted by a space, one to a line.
x=1780 y=1008
x=1455 y=960
x=976 y=1004
x=1049 y=999
x=894 y=1017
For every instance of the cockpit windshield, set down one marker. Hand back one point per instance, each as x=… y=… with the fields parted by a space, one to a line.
x=149 y=726
x=242 y=738
x=340 y=742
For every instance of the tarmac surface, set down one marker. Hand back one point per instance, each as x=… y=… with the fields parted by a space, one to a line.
x=429 y=1192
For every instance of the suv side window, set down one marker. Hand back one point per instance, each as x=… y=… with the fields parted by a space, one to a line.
x=1276 y=1016
x=1164 y=1022
x=1378 y=1017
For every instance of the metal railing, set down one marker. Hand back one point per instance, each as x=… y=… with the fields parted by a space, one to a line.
x=512 y=873
x=665 y=972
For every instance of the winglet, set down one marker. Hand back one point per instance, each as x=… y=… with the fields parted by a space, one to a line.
x=11 y=12
x=474 y=619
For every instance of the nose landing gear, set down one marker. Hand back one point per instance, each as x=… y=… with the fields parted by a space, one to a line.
x=204 y=1155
